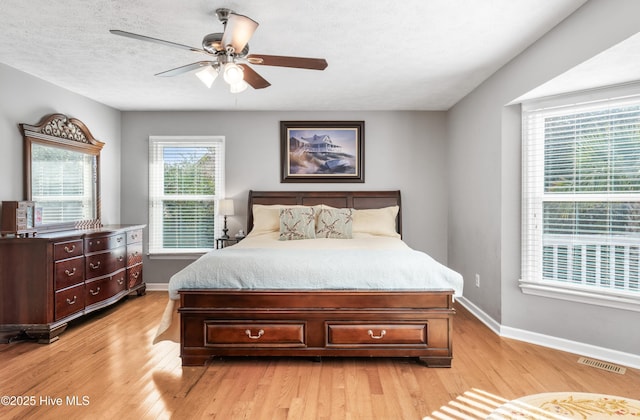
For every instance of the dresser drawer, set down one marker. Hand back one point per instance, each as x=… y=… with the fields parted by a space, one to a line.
x=103 y=263
x=134 y=254
x=377 y=334
x=254 y=334
x=62 y=250
x=134 y=236
x=104 y=288
x=120 y=278
x=69 y=272
x=69 y=301
x=102 y=243
x=134 y=275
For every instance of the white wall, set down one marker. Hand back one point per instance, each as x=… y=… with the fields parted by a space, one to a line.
x=26 y=99
x=484 y=176
x=403 y=150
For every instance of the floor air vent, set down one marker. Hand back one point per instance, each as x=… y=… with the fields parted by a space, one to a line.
x=602 y=365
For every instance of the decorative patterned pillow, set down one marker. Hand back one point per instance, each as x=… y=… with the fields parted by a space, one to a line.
x=335 y=223
x=297 y=223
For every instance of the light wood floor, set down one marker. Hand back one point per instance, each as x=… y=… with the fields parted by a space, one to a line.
x=108 y=364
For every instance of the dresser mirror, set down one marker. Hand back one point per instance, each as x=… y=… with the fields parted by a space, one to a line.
x=62 y=173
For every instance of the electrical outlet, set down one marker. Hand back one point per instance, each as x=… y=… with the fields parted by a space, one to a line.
x=477 y=280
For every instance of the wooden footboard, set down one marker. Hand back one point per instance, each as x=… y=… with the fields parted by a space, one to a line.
x=342 y=323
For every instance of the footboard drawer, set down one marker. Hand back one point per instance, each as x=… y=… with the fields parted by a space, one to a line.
x=377 y=334
x=254 y=334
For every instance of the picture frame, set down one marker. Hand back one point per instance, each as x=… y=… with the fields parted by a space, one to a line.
x=322 y=151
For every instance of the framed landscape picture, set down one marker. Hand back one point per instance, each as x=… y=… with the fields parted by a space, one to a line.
x=322 y=151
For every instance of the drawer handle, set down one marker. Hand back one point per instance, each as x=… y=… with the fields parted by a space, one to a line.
x=119 y=239
x=137 y=274
x=95 y=266
x=72 y=301
x=134 y=236
x=120 y=280
x=70 y=273
x=94 y=293
x=70 y=250
x=254 y=337
x=377 y=337
x=120 y=258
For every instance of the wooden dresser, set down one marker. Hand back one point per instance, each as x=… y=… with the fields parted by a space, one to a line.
x=48 y=280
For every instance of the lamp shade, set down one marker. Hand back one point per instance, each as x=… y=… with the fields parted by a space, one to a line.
x=207 y=75
x=241 y=86
x=225 y=207
x=233 y=73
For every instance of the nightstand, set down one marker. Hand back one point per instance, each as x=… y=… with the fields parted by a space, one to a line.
x=224 y=242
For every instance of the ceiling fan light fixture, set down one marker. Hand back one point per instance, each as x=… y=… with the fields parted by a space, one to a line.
x=233 y=73
x=207 y=75
x=241 y=86
x=238 y=30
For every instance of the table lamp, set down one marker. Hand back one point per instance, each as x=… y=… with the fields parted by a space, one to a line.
x=225 y=208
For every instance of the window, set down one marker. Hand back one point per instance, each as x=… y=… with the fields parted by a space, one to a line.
x=581 y=201
x=186 y=178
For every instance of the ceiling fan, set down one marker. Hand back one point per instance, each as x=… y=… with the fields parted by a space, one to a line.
x=229 y=54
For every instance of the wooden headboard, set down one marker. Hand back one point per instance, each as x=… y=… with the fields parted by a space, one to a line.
x=338 y=199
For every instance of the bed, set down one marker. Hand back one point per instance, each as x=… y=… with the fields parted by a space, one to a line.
x=366 y=294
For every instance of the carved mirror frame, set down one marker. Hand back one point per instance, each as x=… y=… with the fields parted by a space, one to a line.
x=62 y=132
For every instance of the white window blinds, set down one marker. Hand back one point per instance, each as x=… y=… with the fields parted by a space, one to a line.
x=186 y=178
x=581 y=196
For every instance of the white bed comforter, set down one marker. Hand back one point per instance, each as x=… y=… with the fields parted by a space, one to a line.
x=364 y=262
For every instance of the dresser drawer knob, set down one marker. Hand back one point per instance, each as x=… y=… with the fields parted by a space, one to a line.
x=72 y=301
x=70 y=250
x=94 y=293
x=70 y=273
x=119 y=239
x=254 y=337
x=135 y=275
x=377 y=337
x=120 y=258
x=134 y=236
x=95 y=266
x=120 y=280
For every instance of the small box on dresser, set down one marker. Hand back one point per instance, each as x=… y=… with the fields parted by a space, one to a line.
x=49 y=280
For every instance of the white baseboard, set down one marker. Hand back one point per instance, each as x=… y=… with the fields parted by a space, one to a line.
x=158 y=287
x=588 y=350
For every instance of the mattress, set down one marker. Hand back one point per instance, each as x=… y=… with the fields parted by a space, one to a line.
x=363 y=262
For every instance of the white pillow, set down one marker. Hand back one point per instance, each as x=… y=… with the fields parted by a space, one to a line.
x=376 y=221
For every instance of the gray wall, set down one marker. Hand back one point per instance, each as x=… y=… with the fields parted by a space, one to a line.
x=484 y=180
x=26 y=99
x=403 y=150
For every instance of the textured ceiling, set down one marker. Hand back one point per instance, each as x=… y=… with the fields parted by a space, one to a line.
x=382 y=55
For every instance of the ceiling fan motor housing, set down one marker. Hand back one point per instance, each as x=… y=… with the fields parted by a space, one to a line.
x=213 y=43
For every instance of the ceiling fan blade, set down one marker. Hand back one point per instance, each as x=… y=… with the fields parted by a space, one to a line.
x=157 y=41
x=253 y=78
x=238 y=30
x=282 y=61
x=185 y=69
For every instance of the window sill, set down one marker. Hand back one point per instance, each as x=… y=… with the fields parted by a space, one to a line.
x=582 y=294
x=176 y=256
